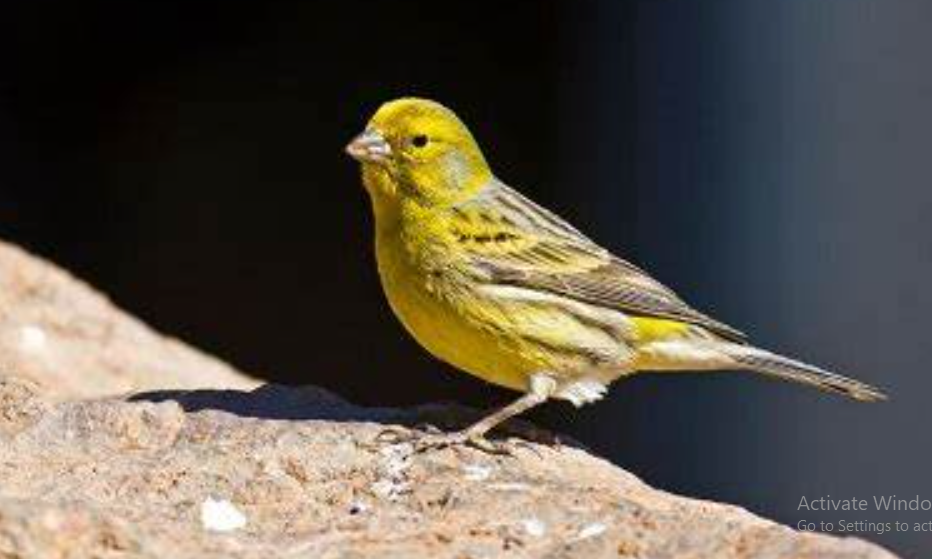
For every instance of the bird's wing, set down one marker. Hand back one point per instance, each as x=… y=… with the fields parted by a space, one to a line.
x=513 y=241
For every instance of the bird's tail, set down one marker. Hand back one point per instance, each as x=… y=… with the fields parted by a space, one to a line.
x=785 y=368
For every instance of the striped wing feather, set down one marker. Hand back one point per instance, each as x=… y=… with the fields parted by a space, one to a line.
x=516 y=242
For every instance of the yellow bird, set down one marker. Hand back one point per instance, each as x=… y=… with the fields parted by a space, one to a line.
x=489 y=282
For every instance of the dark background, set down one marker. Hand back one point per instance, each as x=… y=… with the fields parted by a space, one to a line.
x=769 y=160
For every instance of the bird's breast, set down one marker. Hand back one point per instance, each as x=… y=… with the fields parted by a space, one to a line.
x=424 y=295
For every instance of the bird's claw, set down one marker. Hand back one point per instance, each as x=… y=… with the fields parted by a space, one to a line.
x=396 y=434
x=431 y=439
x=439 y=441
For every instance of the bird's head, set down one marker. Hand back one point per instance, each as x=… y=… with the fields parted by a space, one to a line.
x=418 y=149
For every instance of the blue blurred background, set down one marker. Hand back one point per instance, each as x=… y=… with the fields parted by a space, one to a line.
x=768 y=160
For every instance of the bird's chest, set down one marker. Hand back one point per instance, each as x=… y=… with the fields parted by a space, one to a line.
x=417 y=290
x=424 y=293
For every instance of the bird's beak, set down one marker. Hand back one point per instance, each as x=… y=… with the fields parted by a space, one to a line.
x=369 y=147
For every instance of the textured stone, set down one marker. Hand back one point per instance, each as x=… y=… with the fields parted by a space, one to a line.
x=119 y=478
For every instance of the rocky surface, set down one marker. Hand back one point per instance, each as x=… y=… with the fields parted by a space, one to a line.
x=148 y=478
x=235 y=470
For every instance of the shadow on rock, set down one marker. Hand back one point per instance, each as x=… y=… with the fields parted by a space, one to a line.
x=275 y=401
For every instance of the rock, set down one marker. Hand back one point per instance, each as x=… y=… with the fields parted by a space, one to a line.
x=73 y=342
x=234 y=469
x=228 y=474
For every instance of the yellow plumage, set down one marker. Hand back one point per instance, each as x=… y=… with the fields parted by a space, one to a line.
x=495 y=285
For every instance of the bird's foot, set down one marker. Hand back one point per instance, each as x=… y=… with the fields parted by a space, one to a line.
x=464 y=438
x=431 y=438
x=397 y=434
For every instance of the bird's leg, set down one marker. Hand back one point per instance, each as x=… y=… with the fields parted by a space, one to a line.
x=540 y=388
x=479 y=429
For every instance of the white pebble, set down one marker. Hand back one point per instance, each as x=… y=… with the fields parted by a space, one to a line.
x=591 y=531
x=32 y=338
x=221 y=516
x=534 y=527
x=509 y=486
x=475 y=472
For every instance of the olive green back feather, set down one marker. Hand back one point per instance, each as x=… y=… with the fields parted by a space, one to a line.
x=513 y=241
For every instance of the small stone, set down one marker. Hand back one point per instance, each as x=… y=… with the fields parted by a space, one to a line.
x=476 y=472
x=591 y=531
x=32 y=339
x=534 y=527
x=219 y=515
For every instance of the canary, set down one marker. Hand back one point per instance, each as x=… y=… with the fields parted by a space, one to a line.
x=493 y=284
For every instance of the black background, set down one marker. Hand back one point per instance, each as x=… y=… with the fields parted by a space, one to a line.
x=767 y=160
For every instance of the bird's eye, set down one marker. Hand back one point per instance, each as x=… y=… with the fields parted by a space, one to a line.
x=419 y=141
